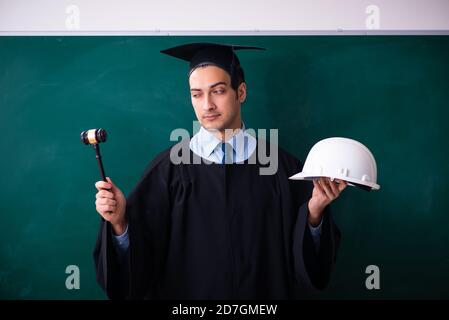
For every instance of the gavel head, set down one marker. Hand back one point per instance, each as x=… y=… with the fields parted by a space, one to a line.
x=93 y=136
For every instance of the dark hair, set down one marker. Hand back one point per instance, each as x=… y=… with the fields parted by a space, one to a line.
x=235 y=80
x=239 y=78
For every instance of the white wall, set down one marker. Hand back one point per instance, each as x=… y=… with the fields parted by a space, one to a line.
x=224 y=17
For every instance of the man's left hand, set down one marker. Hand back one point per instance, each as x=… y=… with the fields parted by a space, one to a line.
x=324 y=192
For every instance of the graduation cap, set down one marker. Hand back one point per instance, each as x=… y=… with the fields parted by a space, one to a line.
x=220 y=55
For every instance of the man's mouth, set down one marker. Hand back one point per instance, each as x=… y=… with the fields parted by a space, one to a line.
x=211 y=117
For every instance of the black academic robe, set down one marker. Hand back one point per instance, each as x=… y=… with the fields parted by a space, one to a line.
x=213 y=231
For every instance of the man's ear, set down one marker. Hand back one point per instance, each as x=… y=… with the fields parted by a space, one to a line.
x=241 y=92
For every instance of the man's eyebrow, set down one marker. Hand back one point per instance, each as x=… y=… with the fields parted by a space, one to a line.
x=211 y=86
x=217 y=84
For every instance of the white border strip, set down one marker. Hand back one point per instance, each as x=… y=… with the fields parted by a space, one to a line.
x=226 y=33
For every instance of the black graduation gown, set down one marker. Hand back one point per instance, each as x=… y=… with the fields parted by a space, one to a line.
x=213 y=231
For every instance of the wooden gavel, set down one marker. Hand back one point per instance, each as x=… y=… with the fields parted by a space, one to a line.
x=94 y=137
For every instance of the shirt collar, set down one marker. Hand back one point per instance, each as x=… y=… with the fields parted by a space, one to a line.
x=209 y=142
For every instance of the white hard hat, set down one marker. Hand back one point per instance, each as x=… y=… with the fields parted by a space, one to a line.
x=341 y=158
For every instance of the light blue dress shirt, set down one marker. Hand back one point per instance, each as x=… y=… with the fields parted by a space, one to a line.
x=206 y=145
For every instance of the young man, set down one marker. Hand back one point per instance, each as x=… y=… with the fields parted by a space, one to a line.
x=216 y=229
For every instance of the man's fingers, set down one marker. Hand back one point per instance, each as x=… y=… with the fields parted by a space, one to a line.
x=105 y=208
x=104 y=194
x=111 y=183
x=107 y=216
x=100 y=185
x=334 y=187
x=105 y=201
x=343 y=184
x=324 y=183
x=319 y=188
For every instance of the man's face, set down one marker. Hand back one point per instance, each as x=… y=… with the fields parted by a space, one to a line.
x=215 y=102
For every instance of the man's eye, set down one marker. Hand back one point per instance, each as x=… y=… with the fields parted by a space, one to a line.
x=219 y=91
x=196 y=95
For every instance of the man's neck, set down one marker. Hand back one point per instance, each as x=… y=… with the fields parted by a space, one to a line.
x=226 y=134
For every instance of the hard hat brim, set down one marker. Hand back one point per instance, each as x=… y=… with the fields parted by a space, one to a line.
x=308 y=177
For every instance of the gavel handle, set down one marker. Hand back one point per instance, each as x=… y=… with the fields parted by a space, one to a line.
x=100 y=164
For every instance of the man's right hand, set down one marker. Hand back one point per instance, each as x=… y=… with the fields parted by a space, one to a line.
x=111 y=205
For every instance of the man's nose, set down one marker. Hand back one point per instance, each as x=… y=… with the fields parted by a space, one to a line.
x=208 y=104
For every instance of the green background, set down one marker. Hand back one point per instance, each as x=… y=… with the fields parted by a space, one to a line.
x=389 y=92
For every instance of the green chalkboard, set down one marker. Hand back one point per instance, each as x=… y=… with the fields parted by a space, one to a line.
x=389 y=92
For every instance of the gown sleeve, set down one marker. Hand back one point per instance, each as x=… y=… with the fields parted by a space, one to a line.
x=148 y=214
x=312 y=268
